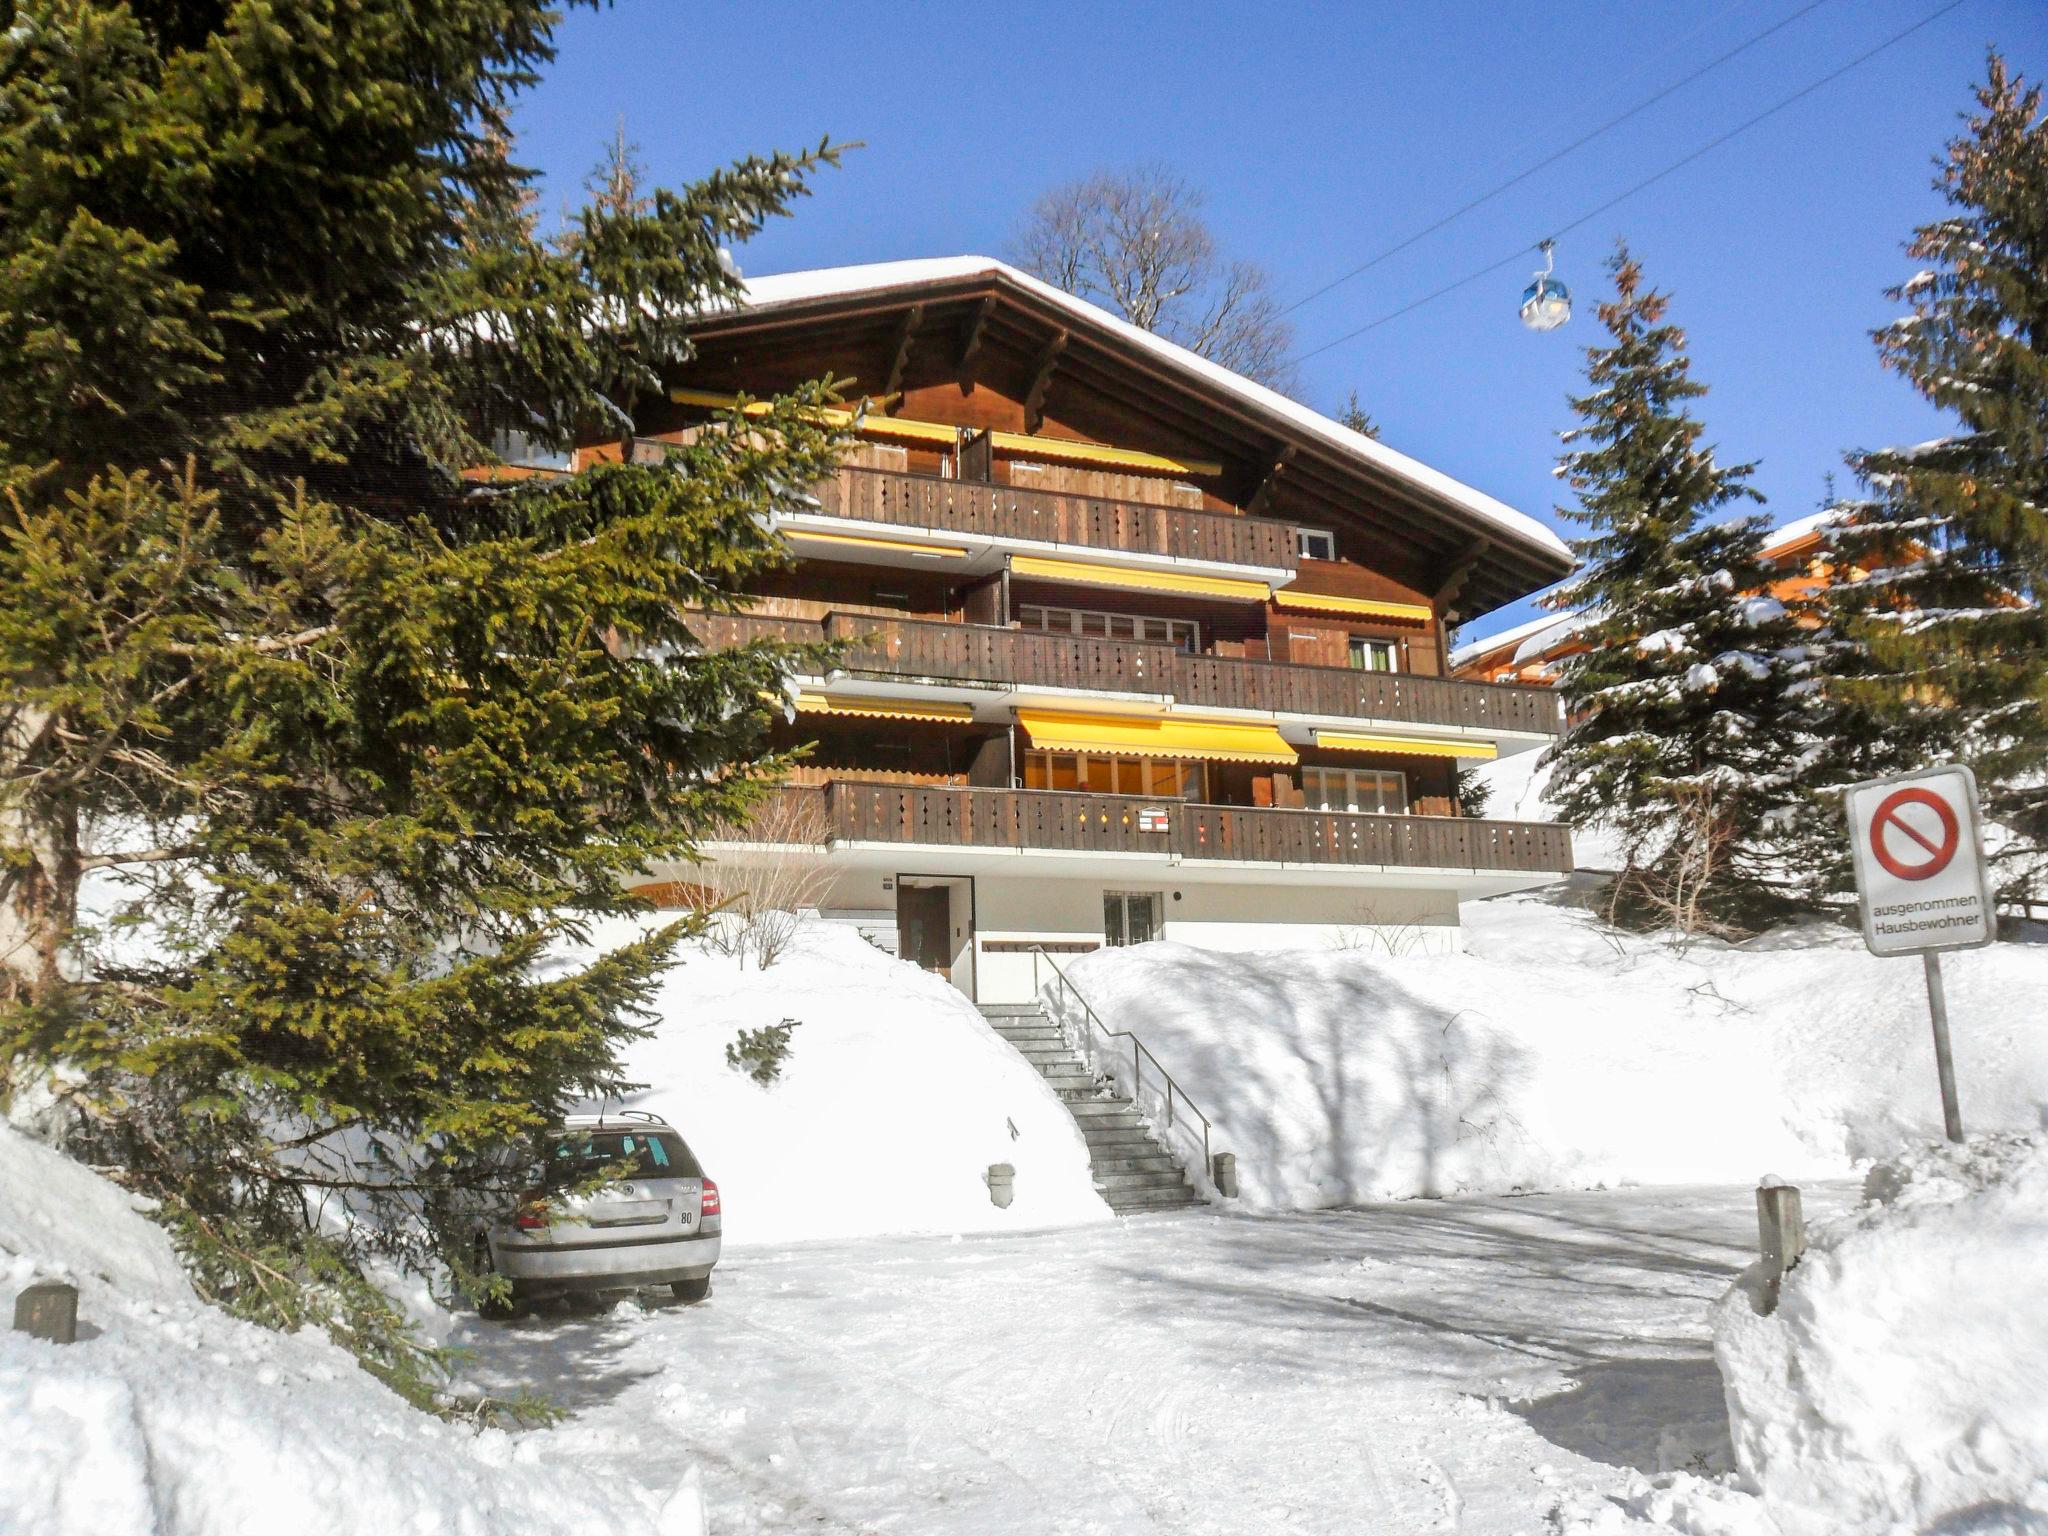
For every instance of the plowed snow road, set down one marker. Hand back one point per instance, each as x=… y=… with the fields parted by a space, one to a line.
x=1423 y=1366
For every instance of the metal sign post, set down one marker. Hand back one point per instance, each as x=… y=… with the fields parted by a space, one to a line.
x=1923 y=885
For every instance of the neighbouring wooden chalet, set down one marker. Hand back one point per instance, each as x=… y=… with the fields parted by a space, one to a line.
x=1139 y=649
x=1533 y=652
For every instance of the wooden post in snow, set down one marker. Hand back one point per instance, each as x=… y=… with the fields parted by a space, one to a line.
x=1780 y=1235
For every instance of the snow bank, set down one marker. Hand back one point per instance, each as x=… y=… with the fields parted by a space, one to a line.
x=1902 y=1382
x=1554 y=1053
x=170 y=1417
x=895 y=1099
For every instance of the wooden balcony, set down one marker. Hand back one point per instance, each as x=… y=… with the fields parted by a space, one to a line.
x=861 y=811
x=1261 y=836
x=938 y=651
x=1006 y=512
x=930 y=650
x=1289 y=688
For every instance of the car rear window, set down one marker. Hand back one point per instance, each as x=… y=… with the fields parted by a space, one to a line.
x=575 y=1155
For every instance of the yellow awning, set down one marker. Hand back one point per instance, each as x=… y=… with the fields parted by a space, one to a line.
x=1015 y=445
x=873 y=424
x=862 y=541
x=1408 y=746
x=1362 y=607
x=882 y=709
x=1021 y=445
x=1141 y=581
x=1145 y=736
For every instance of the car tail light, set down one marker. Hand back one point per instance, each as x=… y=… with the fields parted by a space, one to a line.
x=532 y=1218
x=710 y=1207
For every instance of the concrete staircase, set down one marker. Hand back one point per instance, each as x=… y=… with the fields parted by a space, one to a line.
x=1132 y=1170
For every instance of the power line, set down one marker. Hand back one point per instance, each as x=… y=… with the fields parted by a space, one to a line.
x=1678 y=49
x=1648 y=181
x=1549 y=160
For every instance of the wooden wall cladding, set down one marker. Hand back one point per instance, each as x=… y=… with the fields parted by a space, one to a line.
x=813 y=588
x=1099 y=484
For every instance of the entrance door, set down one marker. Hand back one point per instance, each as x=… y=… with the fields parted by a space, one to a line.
x=1131 y=917
x=924 y=926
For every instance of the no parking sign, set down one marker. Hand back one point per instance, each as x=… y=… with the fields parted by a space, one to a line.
x=1921 y=879
x=1920 y=863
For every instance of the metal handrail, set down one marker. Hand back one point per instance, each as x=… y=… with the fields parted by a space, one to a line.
x=1140 y=1053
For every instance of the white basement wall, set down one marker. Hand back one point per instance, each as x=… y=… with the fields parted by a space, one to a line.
x=1011 y=913
x=1005 y=914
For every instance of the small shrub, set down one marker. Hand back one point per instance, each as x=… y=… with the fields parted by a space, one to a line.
x=760 y=1053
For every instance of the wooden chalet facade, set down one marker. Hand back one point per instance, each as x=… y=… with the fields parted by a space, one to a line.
x=1134 y=647
x=1532 y=653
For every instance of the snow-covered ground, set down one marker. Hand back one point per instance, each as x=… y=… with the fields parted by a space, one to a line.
x=891 y=1072
x=1902 y=1382
x=170 y=1418
x=1555 y=1053
x=1428 y=1366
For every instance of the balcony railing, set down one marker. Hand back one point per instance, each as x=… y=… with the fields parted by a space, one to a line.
x=853 y=810
x=1262 y=836
x=1005 y=512
x=906 y=650
x=1348 y=693
x=981 y=653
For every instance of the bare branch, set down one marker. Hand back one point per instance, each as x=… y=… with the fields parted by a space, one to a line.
x=1136 y=243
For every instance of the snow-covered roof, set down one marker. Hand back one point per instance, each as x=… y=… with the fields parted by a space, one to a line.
x=1529 y=638
x=842 y=282
x=1799 y=528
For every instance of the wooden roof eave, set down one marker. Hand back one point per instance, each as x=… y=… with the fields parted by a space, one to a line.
x=1511 y=567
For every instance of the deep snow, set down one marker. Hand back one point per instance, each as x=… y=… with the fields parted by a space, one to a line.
x=895 y=1099
x=1554 y=1053
x=169 y=1418
x=1902 y=1382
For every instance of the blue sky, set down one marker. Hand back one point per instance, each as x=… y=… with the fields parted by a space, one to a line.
x=1324 y=133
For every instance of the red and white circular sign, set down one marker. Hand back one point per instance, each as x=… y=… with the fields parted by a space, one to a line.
x=1914 y=833
x=1919 y=857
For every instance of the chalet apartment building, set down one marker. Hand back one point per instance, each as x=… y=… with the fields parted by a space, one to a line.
x=1138 y=649
x=1534 y=651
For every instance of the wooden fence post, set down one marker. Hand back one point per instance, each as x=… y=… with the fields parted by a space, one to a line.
x=1781 y=1235
x=48 y=1309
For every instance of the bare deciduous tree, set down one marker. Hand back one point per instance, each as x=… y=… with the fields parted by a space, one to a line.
x=782 y=871
x=1136 y=242
x=1676 y=886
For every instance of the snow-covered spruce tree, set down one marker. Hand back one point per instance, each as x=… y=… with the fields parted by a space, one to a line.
x=1941 y=642
x=1683 y=713
x=341 y=740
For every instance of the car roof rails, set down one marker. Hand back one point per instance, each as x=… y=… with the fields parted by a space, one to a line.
x=613 y=1117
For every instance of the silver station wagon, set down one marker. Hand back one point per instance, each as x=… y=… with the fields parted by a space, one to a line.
x=660 y=1224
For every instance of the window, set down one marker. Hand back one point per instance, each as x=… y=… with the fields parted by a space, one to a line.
x=1115 y=626
x=1132 y=917
x=1375 y=655
x=576 y=1155
x=884 y=597
x=524 y=449
x=1315 y=543
x=1164 y=778
x=1355 y=789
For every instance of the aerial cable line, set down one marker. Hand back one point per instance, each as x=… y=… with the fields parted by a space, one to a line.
x=1675 y=52
x=1712 y=144
x=1549 y=160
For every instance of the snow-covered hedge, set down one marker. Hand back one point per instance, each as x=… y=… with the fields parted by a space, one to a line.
x=894 y=1100
x=168 y=1416
x=1902 y=1382
x=1554 y=1053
